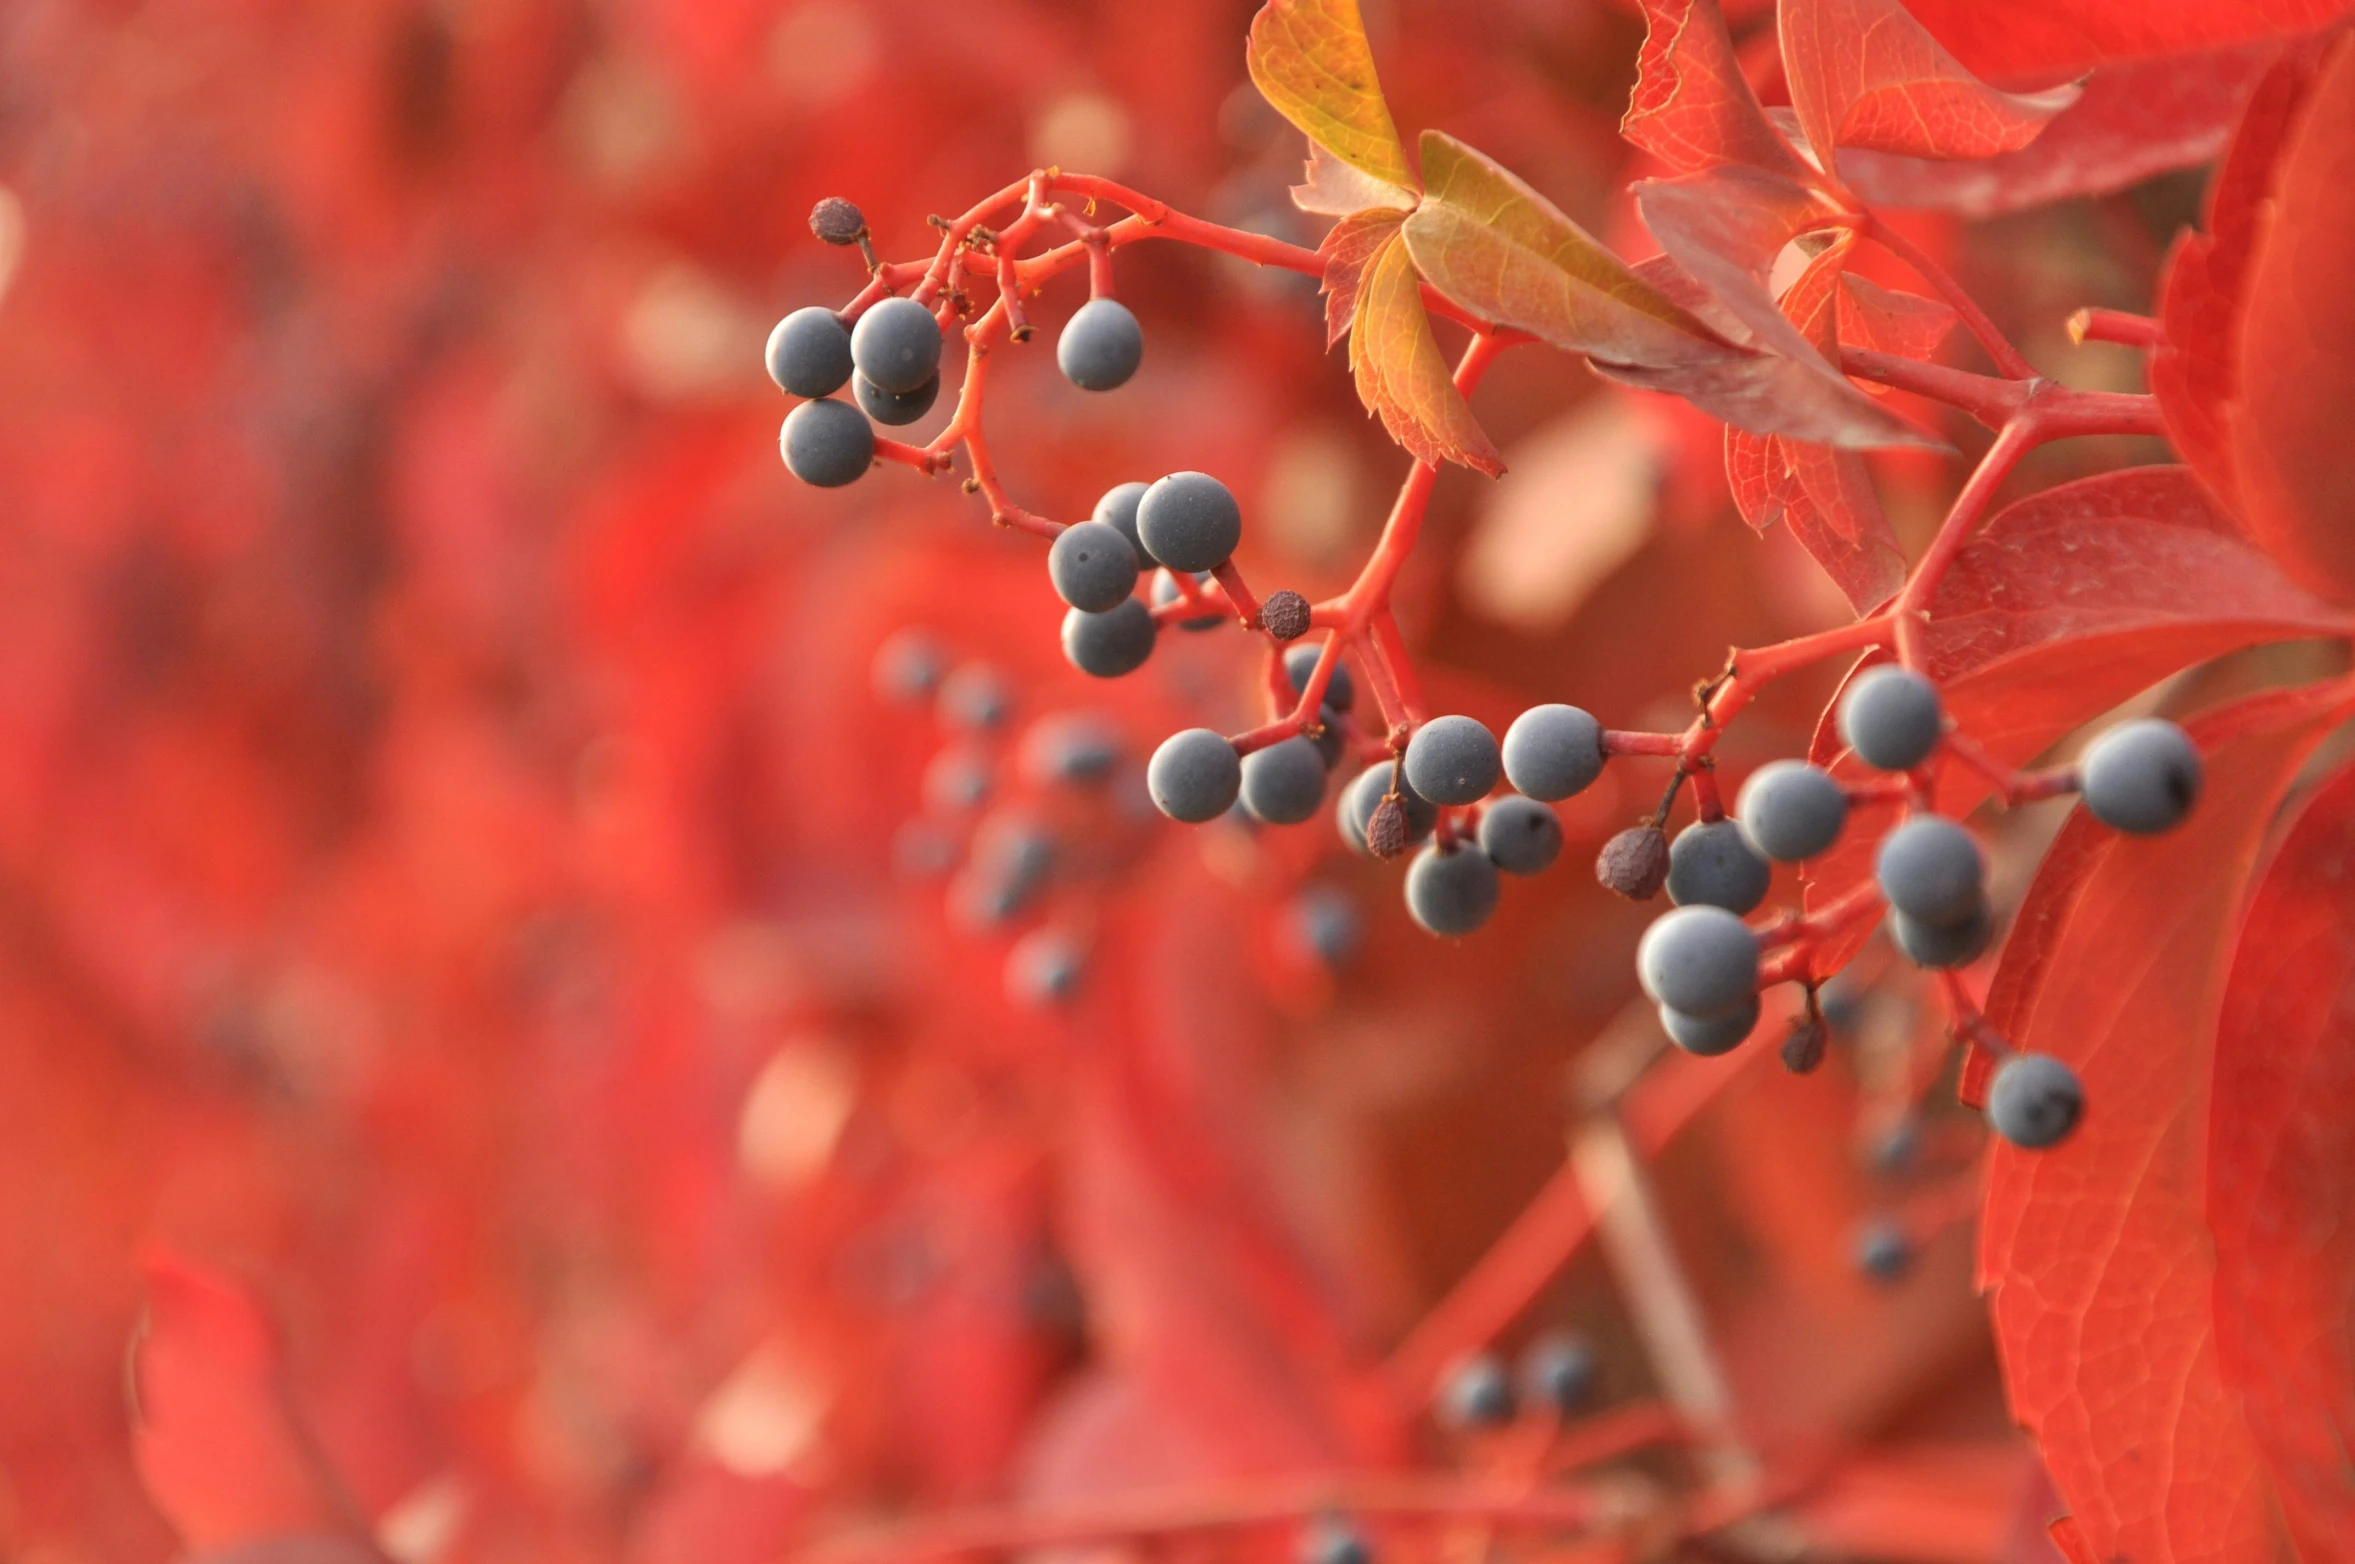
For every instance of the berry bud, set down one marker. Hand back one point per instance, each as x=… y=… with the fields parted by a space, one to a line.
x=1284 y=615
x=1386 y=831
x=836 y=221
x=1634 y=863
x=1803 y=1047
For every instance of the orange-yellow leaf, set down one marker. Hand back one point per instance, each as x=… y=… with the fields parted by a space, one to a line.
x=1350 y=246
x=1400 y=373
x=1310 y=59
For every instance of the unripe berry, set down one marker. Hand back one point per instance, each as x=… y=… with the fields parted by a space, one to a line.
x=1112 y=643
x=1520 y=835
x=1092 y=566
x=1194 y=776
x=836 y=221
x=1890 y=716
x=1710 y=864
x=1451 y=890
x=1709 y=1036
x=1931 y=870
x=1189 y=521
x=896 y=344
x=1552 y=752
x=1790 y=810
x=1943 y=945
x=2034 y=1101
x=1700 y=960
x=1101 y=346
x=2142 y=776
x=1301 y=661
x=1284 y=783
x=1634 y=864
x=1476 y=1394
x=1284 y=614
x=826 y=443
x=893 y=408
x=1558 y=1371
x=809 y=353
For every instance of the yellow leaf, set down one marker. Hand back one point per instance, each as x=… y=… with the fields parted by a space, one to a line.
x=1400 y=373
x=1310 y=59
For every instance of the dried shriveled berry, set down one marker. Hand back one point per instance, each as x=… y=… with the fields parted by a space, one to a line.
x=1386 y=829
x=1634 y=863
x=1284 y=615
x=836 y=221
x=1803 y=1046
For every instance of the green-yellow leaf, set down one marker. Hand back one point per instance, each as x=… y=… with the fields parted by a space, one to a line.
x=1401 y=374
x=1506 y=254
x=1310 y=59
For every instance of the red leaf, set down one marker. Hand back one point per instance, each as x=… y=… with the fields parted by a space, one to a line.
x=2136 y=119
x=2281 y=1171
x=2095 y=1251
x=2297 y=346
x=1884 y=320
x=1762 y=484
x=2044 y=40
x=1350 y=246
x=1692 y=107
x=1865 y=74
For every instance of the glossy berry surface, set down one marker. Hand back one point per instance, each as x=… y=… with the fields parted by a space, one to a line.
x=1092 y=566
x=1700 y=960
x=1553 y=752
x=809 y=353
x=1284 y=783
x=1111 y=644
x=1189 y=521
x=1520 y=835
x=1452 y=760
x=1891 y=717
x=1709 y=1036
x=1790 y=810
x=896 y=344
x=827 y=443
x=2142 y=776
x=1451 y=891
x=1195 y=776
x=1931 y=870
x=2034 y=1101
x=1101 y=346
x=1710 y=863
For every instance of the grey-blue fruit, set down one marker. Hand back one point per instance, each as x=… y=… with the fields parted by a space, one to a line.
x=1520 y=835
x=974 y=698
x=1790 y=810
x=1284 y=783
x=1559 y=1370
x=1014 y=846
x=895 y=407
x=2142 y=776
x=896 y=344
x=908 y=665
x=1451 y=890
x=1101 y=346
x=1891 y=718
x=1165 y=592
x=1709 y=1036
x=921 y=850
x=809 y=353
x=1069 y=748
x=1551 y=752
x=1931 y=870
x=1711 y=864
x=1092 y=566
x=1110 y=644
x=1044 y=968
x=1328 y=736
x=1194 y=776
x=1189 y=521
x=980 y=899
x=1452 y=760
x=1883 y=1252
x=1300 y=662
x=826 y=443
x=1331 y=1542
x=1477 y=1393
x=957 y=780
x=1700 y=960
x=1359 y=799
x=2034 y=1101
x=1118 y=508
x=1943 y=945
x=1327 y=924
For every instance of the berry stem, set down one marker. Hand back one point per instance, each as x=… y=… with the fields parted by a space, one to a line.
x=2095 y=324
x=1911 y=610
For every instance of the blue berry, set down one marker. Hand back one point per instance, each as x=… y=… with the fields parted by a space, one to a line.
x=1195 y=776
x=1931 y=870
x=1165 y=592
x=1284 y=783
x=1118 y=508
x=895 y=407
x=973 y=698
x=1328 y=736
x=1477 y=1393
x=1359 y=799
x=826 y=444
x=1068 y=748
x=1189 y=521
x=1044 y=968
x=1700 y=960
x=809 y=353
x=1326 y=923
x=1790 y=810
x=1451 y=890
x=896 y=344
x=1710 y=1036
x=980 y=900
x=1301 y=661
x=957 y=781
x=1711 y=864
x=1330 y=1542
x=1943 y=945
x=1551 y=752
x=1092 y=566
x=1014 y=847
x=2142 y=776
x=1110 y=644
x=1452 y=760
x=1558 y=1370
x=1520 y=835
x=1883 y=1252
x=908 y=665
x=1101 y=346
x=2034 y=1101
x=1891 y=717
